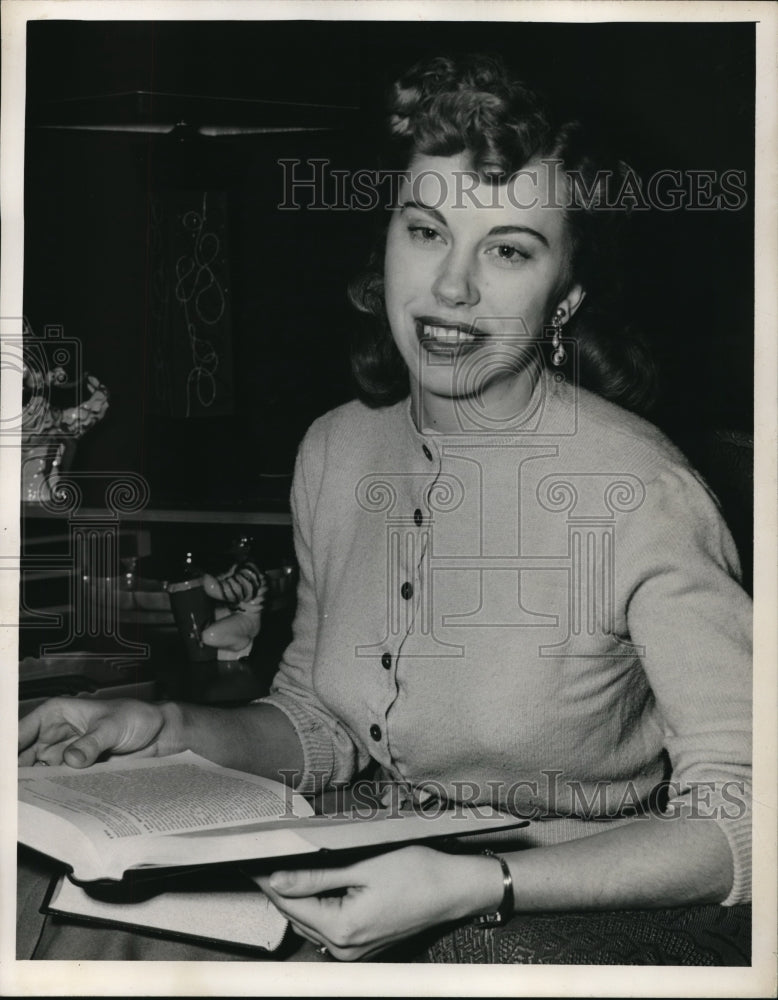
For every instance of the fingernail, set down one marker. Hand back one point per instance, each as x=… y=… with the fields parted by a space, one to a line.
x=77 y=755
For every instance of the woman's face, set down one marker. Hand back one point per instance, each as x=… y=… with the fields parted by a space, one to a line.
x=473 y=273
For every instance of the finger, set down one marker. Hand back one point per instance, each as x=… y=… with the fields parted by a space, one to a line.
x=314 y=918
x=251 y=575
x=213 y=586
x=52 y=753
x=233 y=632
x=232 y=591
x=29 y=727
x=227 y=586
x=242 y=583
x=320 y=920
x=26 y=757
x=305 y=932
x=83 y=751
x=312 y=882
x=46 y=725
x=252 y=581
x=290 y=905
x=302 y=927
x=320 y=915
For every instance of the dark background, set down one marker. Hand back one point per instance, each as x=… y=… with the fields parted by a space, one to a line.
x=673 y=96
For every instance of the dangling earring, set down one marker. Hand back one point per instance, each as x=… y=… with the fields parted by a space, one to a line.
x=559 y=355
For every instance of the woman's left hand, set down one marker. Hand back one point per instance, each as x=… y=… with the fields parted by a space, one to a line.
x=384 y=899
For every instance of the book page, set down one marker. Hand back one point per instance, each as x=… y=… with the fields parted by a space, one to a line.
x=237 y=912
x=156 y=796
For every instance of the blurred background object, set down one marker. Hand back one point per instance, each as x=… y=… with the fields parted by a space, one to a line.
x=56 y=413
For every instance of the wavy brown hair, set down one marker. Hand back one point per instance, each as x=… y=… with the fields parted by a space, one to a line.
x=443 y=107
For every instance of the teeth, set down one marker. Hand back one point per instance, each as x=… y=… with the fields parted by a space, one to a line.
x=448 y=334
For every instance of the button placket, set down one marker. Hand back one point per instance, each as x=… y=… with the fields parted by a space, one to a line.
x=408 y=524
x=406 y=545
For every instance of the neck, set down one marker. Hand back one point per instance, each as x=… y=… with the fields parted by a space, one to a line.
x=501 y=405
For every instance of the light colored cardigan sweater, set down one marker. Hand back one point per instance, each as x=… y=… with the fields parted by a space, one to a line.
x=535 y=616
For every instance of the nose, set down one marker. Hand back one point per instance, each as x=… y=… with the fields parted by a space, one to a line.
x=456 y=283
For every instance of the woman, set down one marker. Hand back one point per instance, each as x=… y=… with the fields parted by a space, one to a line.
x=511 y=589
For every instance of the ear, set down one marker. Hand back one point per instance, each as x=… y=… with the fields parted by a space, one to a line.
x=572 y=301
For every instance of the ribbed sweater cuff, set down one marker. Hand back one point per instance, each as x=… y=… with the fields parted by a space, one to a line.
x=738 y=833
x=316 y=740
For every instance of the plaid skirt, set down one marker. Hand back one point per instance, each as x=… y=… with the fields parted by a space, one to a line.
x=692 y=935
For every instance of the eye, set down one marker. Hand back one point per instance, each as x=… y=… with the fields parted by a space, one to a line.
x=508 y=253
x=424 y=234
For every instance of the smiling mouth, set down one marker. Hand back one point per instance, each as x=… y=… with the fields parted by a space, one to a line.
x=433 y=334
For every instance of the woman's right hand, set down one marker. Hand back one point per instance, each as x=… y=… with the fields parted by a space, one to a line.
x=78 y=731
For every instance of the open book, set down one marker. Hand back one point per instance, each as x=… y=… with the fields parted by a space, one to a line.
x=144 y=813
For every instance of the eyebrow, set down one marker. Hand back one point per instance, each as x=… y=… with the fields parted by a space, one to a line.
x=494 y=231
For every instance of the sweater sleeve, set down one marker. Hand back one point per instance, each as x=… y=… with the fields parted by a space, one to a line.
x=331 y=754
x=694 y=622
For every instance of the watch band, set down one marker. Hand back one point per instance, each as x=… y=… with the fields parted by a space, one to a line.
x=505 y=910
